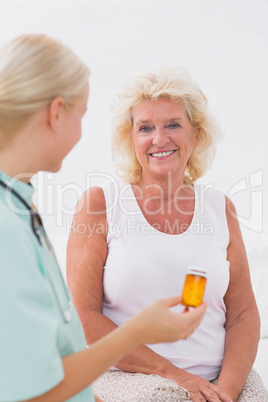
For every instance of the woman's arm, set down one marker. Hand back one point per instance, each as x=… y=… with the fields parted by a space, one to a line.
x=86 y=257
x=156 y=323
x=242 y=317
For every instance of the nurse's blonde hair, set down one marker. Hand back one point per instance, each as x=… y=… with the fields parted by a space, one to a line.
x=34 y=70
x=169 y=83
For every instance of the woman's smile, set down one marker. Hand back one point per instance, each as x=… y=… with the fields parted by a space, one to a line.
x=162 y=154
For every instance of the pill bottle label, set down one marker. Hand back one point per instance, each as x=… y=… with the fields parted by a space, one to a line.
x=194 y=287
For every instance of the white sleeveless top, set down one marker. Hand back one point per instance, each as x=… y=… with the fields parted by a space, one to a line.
x=144 y=264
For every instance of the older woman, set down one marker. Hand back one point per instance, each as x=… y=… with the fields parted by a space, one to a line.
x=43 y=354
x=151 y=225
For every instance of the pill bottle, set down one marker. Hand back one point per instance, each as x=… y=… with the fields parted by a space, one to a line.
x=194 y=286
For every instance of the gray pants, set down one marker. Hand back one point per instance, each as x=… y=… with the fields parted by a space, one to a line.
x=118 y=386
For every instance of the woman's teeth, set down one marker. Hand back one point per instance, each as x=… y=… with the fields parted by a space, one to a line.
x=160 y=154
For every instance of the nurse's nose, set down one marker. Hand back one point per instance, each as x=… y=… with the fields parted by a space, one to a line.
x=160 y=137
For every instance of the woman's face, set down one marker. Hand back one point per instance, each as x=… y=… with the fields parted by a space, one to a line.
x=163 y=137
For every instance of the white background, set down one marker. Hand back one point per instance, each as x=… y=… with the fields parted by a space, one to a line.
x=224 y=45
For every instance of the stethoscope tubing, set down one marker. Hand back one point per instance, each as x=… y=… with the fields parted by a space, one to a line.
x=39 y=232
x=33 y=213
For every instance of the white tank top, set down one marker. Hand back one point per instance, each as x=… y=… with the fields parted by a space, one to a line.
x=144 y=264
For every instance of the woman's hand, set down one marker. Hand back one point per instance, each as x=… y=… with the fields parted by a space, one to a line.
x=202 y=390
x=199 y=388
x=156 y=323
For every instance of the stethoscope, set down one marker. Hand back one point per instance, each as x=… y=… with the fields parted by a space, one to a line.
x=40 y=233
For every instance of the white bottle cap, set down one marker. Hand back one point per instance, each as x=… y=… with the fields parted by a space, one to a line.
x=196 y=270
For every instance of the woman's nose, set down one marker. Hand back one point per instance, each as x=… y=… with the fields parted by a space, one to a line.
x=160 y=138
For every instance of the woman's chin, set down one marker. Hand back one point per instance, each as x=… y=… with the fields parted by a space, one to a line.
x=162 y=171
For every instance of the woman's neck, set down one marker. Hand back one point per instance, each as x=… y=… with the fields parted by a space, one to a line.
x=23 y=174
x=17 y=162
x=167 y=187
x=24 y=153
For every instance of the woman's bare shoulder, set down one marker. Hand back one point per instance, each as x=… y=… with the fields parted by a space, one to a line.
x=91 y=202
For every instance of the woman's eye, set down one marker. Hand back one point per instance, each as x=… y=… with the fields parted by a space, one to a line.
x=173 y=125
x=145 y=129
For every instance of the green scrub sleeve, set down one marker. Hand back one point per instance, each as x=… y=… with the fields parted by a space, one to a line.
x=30 y=362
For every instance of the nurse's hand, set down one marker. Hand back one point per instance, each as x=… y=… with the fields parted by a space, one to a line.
x=97 y=399
x=156 y=323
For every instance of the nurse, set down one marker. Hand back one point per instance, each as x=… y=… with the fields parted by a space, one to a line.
x=43 y=354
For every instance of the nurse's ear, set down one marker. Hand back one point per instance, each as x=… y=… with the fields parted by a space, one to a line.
x=56 y=111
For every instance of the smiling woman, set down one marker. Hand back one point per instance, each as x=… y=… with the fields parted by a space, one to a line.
x=165 y=138
x=176 y=86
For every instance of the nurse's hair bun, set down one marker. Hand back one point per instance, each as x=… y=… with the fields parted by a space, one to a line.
x=34 y=70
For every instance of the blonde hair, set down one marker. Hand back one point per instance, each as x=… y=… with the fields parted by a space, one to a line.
x=177 y=85
x=34 y=70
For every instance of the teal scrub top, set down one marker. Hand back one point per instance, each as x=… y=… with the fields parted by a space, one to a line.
x=33 y=333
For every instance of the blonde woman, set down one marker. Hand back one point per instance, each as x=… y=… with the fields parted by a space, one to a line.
x=43 y=96
x=157 y=221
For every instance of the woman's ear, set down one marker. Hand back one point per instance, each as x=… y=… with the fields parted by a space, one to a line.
x=55 y=113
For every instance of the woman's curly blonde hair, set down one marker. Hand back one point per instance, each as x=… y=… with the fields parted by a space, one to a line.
x=177 y=85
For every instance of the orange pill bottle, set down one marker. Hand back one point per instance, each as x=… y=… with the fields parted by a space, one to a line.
x=194 y=287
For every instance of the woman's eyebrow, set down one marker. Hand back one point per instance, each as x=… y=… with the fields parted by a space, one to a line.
x=175 y=119
x=169 y=119
x=143 y=121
